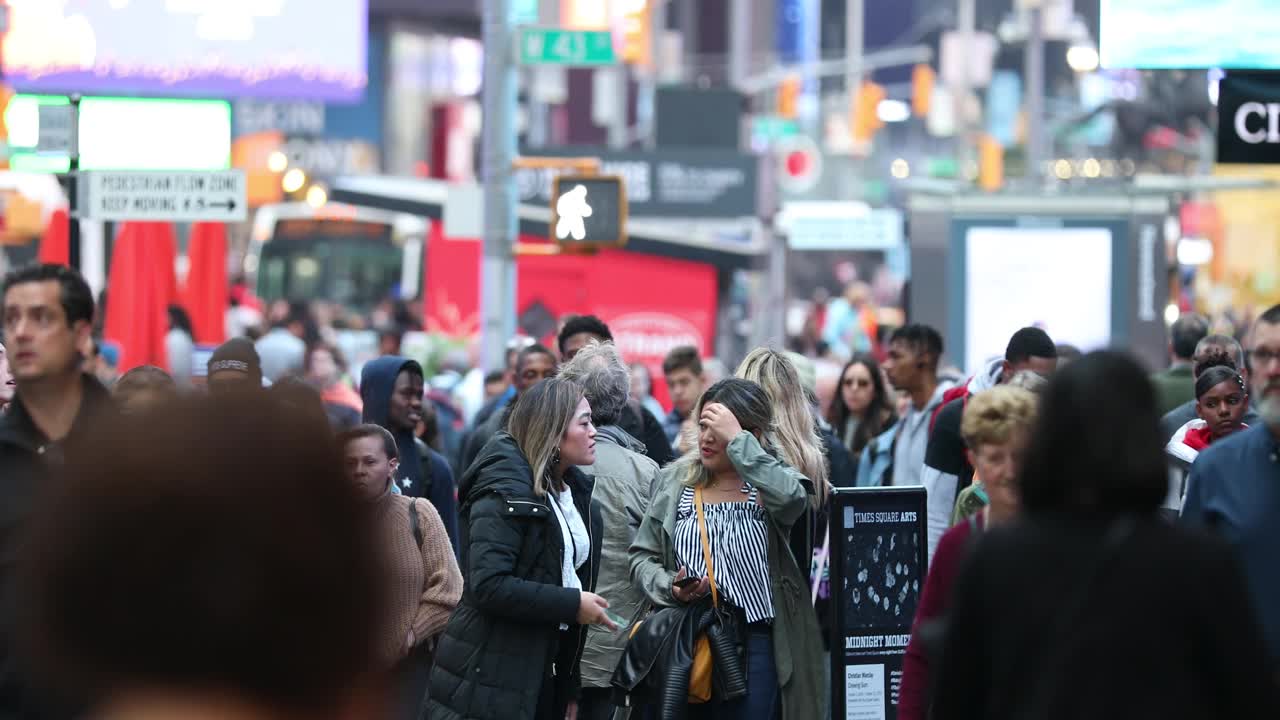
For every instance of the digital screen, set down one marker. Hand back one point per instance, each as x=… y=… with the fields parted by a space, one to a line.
x=286 y=49
x=1173 y=34
x=1058 y=279
x=127 y=134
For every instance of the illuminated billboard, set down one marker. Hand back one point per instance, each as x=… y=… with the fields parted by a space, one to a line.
x=287 y=49
x=1186 y=34
x=127 y=134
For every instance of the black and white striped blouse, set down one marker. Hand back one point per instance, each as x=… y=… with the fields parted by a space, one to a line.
x=739 y=534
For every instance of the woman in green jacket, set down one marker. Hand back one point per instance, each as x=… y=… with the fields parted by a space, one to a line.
x=750 y=500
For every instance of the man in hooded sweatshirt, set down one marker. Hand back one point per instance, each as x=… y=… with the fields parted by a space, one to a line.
x=391 y=388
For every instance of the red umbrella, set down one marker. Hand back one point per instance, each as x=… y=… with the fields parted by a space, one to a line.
x=55 y=244
x=205 y=293
x=141 y=286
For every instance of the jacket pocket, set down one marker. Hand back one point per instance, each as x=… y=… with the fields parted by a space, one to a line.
x=786 y=606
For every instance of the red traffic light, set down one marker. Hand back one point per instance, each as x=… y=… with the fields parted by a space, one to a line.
x=798 y=163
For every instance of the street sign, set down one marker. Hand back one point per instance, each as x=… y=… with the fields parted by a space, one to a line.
x=768 y=128
x=840 y=226
x=219 y=196
x=589 y=211
x=558 y=46
x=55 y=129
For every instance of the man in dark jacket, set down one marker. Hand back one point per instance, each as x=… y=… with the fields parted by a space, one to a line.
x=636 y=420
x=391 y=388
x=534 y=363
x=947 y=469
x=48 y=318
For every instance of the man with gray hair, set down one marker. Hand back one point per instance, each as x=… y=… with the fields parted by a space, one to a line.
x=625 y=479
x=1185 y=413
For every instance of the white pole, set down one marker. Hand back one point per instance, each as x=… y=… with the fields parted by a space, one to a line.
x=498 y=267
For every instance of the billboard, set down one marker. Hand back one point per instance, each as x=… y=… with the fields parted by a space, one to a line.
x=126 y=134
x=1056 y=278
x=303 y=49
x=1174 y=34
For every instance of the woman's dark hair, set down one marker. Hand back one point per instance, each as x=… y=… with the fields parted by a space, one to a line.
x=746 y=400
x=1096 y=446
x=174 y=550
x=180 y=320
x=879 y=415
x=1214 y=368
x=301 y=399
x=369 y=430
x=338 y=358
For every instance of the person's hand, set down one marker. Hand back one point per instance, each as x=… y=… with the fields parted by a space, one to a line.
x=691 y=592
x=591 y=611
x=688 y=437
x=571 y=712
x=722 y=423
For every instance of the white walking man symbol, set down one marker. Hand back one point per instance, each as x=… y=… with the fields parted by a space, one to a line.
x=571 y=208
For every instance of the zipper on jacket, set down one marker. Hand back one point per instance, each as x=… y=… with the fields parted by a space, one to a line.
x=591 y=571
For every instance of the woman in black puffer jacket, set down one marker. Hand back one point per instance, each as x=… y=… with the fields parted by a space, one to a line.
x=530 y=546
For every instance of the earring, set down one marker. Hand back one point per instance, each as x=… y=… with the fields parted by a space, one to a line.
x=555 y=457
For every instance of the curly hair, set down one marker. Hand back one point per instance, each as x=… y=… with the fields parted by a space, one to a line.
x=992 y=416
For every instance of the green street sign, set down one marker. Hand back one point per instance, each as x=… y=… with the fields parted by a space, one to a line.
x=769 y=127
x=555 y=46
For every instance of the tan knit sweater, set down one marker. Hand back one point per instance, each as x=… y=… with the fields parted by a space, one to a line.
x=426 y=584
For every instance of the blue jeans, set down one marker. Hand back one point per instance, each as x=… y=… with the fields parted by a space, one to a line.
x=761 y=700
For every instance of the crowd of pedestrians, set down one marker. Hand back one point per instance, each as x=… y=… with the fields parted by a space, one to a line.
x=288 y=542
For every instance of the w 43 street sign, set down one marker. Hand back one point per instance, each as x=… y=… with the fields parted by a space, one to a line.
x=557 y=46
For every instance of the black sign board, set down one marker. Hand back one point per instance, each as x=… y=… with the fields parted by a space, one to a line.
x=589 y=211
x=1249 y=117
x=879 y=560
x=662 y=183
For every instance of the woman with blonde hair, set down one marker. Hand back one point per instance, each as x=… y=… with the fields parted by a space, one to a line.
x=530 y=543
x=750 y=499
x=795 y=434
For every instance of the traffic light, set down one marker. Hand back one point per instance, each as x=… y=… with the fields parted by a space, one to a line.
x=6 y=94
x=922 y=82
x=636 y=29
x=990 y=164
x=865 y=112
x=789 y=97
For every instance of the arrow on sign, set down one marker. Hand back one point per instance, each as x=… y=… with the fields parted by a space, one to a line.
x=229 y=205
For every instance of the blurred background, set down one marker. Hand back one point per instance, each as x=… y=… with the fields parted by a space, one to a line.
x=809 y=173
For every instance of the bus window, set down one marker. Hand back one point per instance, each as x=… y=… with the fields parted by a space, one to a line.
x=351 y=262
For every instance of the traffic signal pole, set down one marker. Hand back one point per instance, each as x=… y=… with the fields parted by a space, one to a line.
x=497 y=265
x=73 y=192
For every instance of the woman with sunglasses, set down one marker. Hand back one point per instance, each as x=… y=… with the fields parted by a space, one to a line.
x=862 y=408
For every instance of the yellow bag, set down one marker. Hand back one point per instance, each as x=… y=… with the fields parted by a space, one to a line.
x=700 y=674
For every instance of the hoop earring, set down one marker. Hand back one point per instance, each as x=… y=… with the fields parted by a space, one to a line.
x=555 y=458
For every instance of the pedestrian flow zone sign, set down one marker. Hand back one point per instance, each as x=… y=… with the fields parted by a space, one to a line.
x=217 y=196
x=589 y=211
